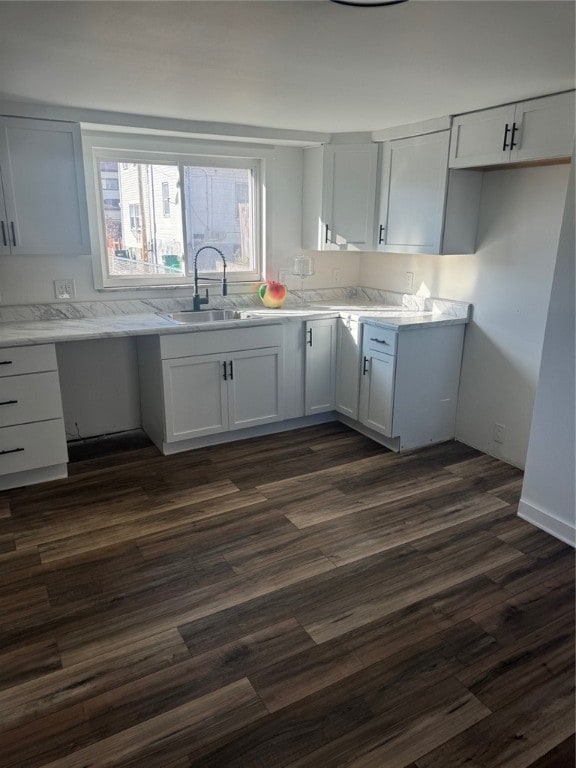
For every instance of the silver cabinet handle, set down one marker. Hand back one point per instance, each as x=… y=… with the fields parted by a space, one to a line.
x=381 y=341
x=365 y=366
x=9 y=402
x=4 y=238
x=13 y=233
x=12 y=450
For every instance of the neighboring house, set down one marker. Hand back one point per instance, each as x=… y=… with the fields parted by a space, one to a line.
x=143 y=215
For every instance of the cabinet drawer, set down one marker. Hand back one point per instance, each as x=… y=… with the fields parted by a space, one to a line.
x=17 y=360
x=380 y=339
x=29 y=446
x=219 y=341
x=33 y=397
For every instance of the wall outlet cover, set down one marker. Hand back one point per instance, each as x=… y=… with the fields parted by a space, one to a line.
x=499 y=430
x=64 y=289
x=409 y=282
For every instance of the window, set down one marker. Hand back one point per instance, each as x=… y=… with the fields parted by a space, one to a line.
x=110 y=183
x=166 y=198
x=165 y=210
x=134 y=215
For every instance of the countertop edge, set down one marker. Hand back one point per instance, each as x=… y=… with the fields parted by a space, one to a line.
x=29 y=333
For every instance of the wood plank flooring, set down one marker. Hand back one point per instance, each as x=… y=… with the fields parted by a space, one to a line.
x=306 y=600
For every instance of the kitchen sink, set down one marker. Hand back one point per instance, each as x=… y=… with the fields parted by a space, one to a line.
x=205 y=316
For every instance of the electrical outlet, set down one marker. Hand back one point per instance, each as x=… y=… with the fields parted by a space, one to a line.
x=283 y=276
x=336 y=276
x=64 y=289
x=498 y=435
x=409 y=282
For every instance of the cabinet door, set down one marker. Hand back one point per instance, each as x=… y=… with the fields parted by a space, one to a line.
x=349 y=194
x=413 y=193
x=545 y=128
x=254 y=387
x=480 y=138
x=348 y=367
x=195 y=396
x=44 y=191
x=320 y=369
x=377 y=391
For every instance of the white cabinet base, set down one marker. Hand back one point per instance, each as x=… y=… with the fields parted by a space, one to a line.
x=243 y=434
x=392 y=443
x=33 y=476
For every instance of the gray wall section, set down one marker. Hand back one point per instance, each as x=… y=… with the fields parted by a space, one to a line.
x=99 y=384
x=548 y=493
x=508 y=280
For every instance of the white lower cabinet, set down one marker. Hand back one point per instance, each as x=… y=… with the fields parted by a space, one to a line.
x=207 y=394
x=320 y=366
x=409 y=383
x=186 y=396
x=348 y=366
x=32 y=435
x=377 y=381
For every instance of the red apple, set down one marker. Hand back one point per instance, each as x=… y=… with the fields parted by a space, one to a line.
x=273 y=294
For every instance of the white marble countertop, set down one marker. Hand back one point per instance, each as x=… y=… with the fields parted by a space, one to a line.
x=24 y=333
x=394 y=317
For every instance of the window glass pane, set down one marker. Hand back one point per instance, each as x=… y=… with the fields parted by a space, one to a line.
x=142 y=219
x=219 y=206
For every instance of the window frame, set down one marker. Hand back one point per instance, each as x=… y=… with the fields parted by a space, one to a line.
x=164 y=154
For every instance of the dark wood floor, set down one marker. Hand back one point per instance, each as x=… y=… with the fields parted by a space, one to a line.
x=307 y=600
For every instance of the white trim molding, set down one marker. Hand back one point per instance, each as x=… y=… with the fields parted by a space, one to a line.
x=547 y=522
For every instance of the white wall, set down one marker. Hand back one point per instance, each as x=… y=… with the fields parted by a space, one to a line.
x=508 y=281
x=548 y=493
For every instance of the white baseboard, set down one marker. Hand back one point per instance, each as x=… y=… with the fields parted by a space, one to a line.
x=168 y=449
x=547 y=522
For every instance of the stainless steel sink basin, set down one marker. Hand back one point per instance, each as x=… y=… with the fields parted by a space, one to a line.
x=205 y=316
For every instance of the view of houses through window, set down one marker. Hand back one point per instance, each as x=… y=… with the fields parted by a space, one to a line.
x=157 y=216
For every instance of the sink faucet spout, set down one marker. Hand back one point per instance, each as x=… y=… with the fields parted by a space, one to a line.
x=198 y=300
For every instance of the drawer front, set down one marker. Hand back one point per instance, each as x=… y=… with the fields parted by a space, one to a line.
x=17 y=360
x=220 y=341
x=380 y=339
x=29 y=446
x=33 y=397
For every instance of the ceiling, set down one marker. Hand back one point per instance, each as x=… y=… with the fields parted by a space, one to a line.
x=309 y=65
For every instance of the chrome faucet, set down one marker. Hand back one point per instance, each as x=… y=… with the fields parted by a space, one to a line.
x=198 y=300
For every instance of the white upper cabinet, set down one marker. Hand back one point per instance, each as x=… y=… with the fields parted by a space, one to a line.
x=538 y=129
x=423 y=208
x=338 y=199
x=412 y=192
x=43 y=210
